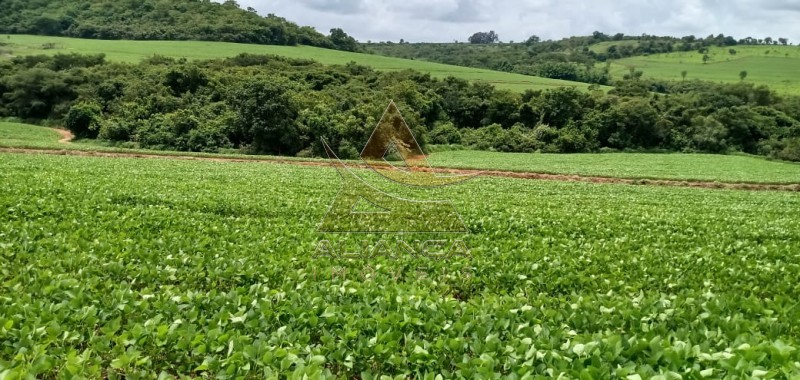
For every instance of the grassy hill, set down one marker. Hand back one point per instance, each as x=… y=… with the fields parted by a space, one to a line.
x=133 y=51
x=775 y=66
x=602 y=47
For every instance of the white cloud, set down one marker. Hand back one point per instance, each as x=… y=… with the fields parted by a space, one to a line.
x=448 y=20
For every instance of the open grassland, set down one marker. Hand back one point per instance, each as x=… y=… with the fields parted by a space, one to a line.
x=602 y=47
x=674 y=166
x=775 y=66
x=26 y=135
x=134 y=51
x=117 y=268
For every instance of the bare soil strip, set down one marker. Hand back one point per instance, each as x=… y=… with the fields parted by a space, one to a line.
x=66 y=135
x=488 y=173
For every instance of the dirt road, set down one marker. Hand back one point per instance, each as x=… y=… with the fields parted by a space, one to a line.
x=66 y=137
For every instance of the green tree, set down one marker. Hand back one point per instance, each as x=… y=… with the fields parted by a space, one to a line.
x=489 y=37
x=266 y=114
x=36 y=93
x=557 y=107
x=342 y=40
x=83 y=119
x=631 y=124
x=533 y=40
x=709 y=135
x=743 y=74
x=791 y=150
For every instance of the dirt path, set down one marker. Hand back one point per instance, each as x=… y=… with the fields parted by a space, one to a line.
x=488 y=173
x=66 y=135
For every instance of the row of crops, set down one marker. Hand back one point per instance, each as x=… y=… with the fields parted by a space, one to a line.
x=151 y=268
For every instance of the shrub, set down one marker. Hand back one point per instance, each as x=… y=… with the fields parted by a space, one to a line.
x=791 y=150
x=544 y=134
x=115 y=130
x=709 y=135
x=445 y=133
x=347 y=151
x=83 y=119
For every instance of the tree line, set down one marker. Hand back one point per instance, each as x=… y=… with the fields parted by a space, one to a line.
x=161 y=20
x=275 y=105
x=570 y=58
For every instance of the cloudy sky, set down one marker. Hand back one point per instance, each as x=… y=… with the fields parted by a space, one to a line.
x=515 y=20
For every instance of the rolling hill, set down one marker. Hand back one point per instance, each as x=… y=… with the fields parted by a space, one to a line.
x=133 y=51
x=775 y=66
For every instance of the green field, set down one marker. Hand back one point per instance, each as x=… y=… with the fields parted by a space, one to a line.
x=775 y=66
x=602 y=47
x=124 y=267
x=134 y=51
x=26 y=135
x=676 y=166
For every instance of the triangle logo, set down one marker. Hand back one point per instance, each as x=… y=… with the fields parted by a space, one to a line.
x=394 y=153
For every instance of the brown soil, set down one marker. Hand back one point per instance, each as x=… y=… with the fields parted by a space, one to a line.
x=489 y=173
x=66 y=135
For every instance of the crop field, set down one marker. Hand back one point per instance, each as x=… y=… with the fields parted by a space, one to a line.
x=685 y=167
x=135 y=51
x=146 y=268
x=674 y=166
x=26 y=135
x=775 y=66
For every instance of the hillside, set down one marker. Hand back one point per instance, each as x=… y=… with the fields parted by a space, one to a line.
x=605 y=59
x=567 y=59
x=134 y=51
x=775 y=66
x=159 y=20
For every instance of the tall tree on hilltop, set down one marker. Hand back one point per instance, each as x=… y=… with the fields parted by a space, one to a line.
x=489 y=37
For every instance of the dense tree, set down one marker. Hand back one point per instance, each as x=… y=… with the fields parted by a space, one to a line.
x=155 y=20
x=37 y=92
x=267 y=115
x=268 y=104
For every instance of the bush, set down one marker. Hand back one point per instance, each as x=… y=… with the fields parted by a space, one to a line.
x=791 y=150
x=709 y=135
x=207 y=139
x=485 y=138
x=445 y=133
x=518 y=139
x=83 y=119
x=543 y=135
x=571 y=140
x=115 y=130
x=347 y=151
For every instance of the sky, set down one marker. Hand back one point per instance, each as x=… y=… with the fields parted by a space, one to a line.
x=516 y=20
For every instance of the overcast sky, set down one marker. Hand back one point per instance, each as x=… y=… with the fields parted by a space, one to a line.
x=515 y=20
